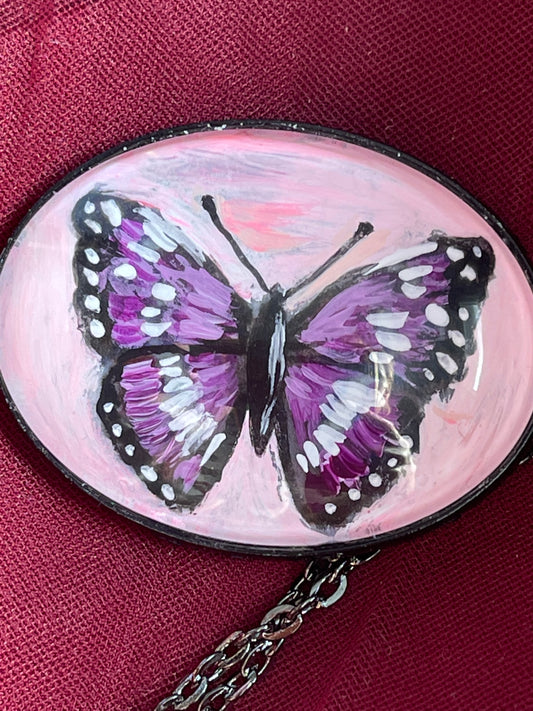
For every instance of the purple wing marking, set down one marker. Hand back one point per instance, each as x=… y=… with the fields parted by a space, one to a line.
x=345 y=441
x=175 y=418
x=141 y=281
x=416 y=309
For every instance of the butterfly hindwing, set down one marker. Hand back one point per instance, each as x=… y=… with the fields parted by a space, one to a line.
x=143 y=282
x=365 y=357
x=175 y=418
x=344 y=439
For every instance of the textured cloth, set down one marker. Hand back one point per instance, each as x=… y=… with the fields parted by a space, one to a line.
x=100 y=614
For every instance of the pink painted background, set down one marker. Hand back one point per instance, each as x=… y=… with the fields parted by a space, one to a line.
x=291 y=200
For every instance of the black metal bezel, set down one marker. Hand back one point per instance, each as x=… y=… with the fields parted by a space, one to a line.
x=362 y=545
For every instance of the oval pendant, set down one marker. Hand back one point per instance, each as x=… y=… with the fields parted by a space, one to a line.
x=269 y=338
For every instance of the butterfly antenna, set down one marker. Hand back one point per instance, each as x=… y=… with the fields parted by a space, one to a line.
x=364 y=229
x=209 y=206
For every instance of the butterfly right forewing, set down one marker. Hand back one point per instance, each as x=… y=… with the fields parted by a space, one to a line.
x=417 y=307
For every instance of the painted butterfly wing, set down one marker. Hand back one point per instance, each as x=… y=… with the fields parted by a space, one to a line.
x=157 y=309
x=343 y=440
x=417 y=306
x=141 y=281
x=175 y=417
x=366 y=356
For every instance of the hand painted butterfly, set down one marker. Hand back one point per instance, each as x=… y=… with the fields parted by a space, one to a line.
x=343 y=382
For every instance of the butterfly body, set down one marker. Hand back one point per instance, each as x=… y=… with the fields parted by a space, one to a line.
x=266 y=366
x=342 y=383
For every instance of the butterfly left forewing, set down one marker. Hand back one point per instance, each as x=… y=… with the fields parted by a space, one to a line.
x=401 y=329
x=143 y=282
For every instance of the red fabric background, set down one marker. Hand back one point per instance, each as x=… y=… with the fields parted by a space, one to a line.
x=98 y=613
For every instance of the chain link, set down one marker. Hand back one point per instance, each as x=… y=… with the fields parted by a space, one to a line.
x=236 y=664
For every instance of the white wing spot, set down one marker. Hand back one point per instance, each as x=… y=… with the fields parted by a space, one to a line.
x=429 y=374
x=168 y=236
x=302 y=461
x=402 y=254
x=447 y=363
x=168 y=492
x=96 y=227
x=130 y=450
x=357 y=397
x=336 y=412
x=412 y=291
x=149 y=472
x=392 y=462
x=312 y=453
x=354 y=494
x=158 y=237
x=171 y=371
x=406 y=441
x=375 y=480
x=92 y=277
x=436 y=315
x=176 y=384
x=455 y=254
x=195 y=427
x=330 y=508
x=117 y=430
x=381 y=358
x=125 y=271
x=150 y=312
x=393 y=341
x=163 y=292
x=411 y=273
x=145 y=252
x=175 y=404
x=457 y=338
x=92 y=303
x=335 y=435
x=468 y=273
x=112 y=211
x=89 y=207
x=108 y=406
x=386 y=319
x=97 y=328
x=212 y=447
x=463 y=314
x=170 y=360
x=155 y=329
x=183 y=417
x=92 y=255
x=329 y=438
x=477 y=251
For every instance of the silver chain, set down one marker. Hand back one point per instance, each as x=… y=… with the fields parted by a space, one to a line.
x=236 y=664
